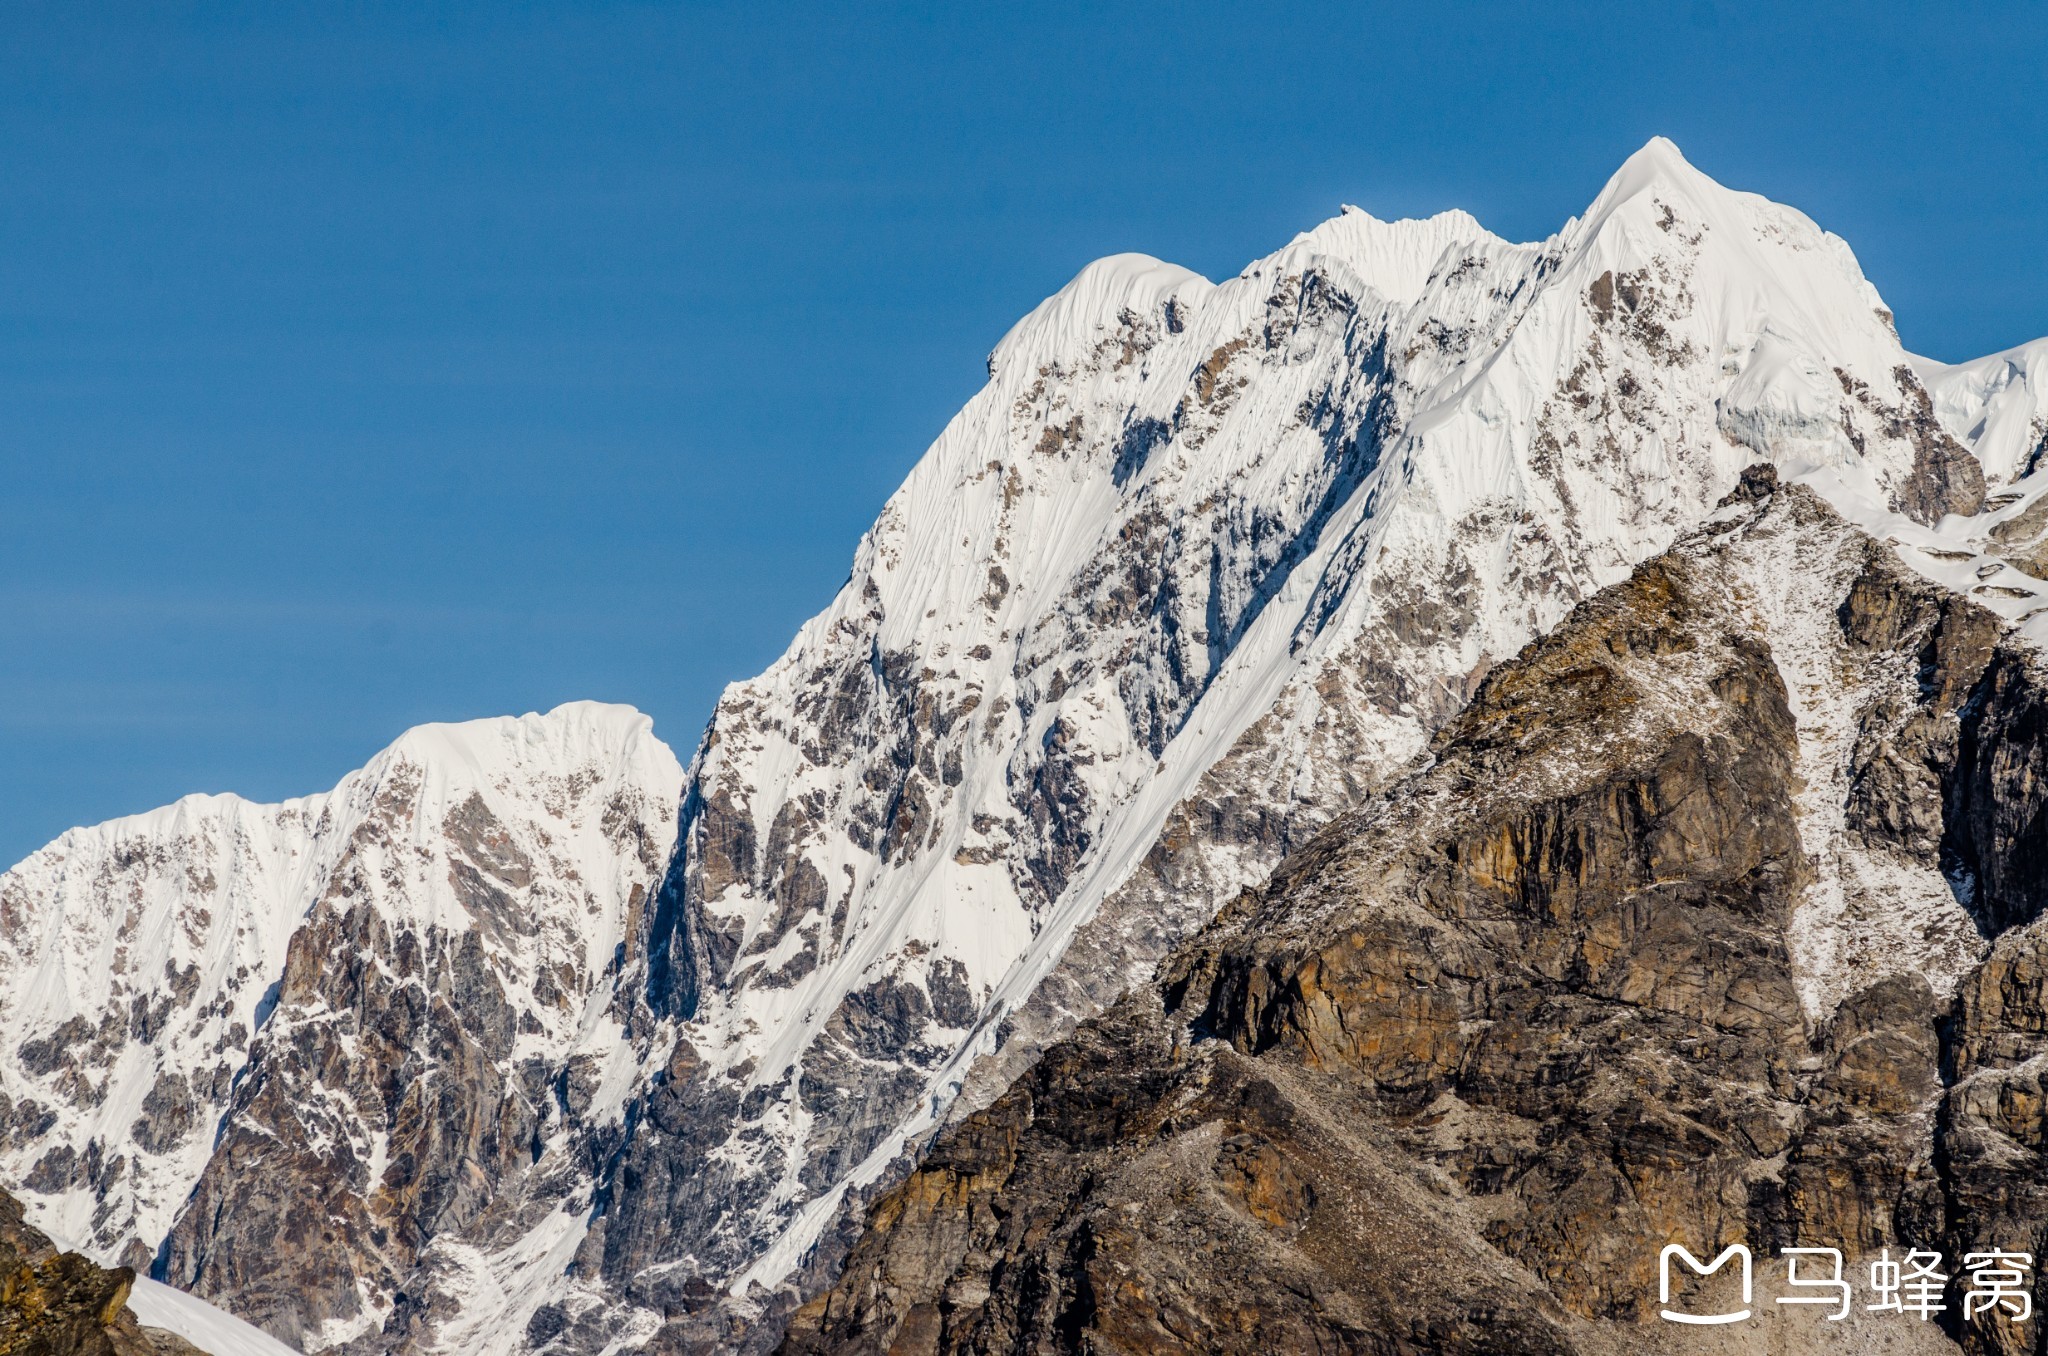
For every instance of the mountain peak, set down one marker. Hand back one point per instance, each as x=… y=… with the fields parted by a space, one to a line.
x=1659 y=162
x=148 y=957
x=1094 y=300
x=572 y=730
x=1394 y=258
x=1660 y=157
x=1660 y=173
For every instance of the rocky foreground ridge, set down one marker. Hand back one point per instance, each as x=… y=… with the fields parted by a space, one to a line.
x=1554 y=998
x=527 y=1039
x=55 y=1303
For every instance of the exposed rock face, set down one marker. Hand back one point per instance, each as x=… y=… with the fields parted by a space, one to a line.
x=292 y=1054
x=60 y=1304
x=1946 y=478
x=1552 y=1000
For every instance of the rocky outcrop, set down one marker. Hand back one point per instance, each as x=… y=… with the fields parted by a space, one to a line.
x=56 y=1303
x=1945 y=478
x=1453 y=1077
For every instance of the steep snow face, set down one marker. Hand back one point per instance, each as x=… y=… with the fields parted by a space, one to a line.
x=1274 y=528
x=1397 y=259
x=1997 y=406
x=214 y=1331
x=147 y=964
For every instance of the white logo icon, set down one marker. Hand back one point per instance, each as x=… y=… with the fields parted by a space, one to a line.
x=1735 y=1250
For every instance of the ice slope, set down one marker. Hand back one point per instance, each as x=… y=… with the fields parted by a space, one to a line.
x=1997 y=406
x=213 y=1331
x=141 y=958
x=1276 y=526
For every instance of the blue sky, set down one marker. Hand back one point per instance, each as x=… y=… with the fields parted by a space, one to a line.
x=368 y=365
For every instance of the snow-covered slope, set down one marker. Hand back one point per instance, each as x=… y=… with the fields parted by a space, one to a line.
x=136 y=955
x=159 y=974
x=214 y=1331
x=1997 y=406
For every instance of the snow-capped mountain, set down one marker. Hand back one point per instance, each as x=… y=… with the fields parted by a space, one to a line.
x=273 y=1048
x=1200 y=567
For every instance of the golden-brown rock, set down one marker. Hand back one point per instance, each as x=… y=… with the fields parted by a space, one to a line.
x=1454 y=1077
x=60 y=1304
